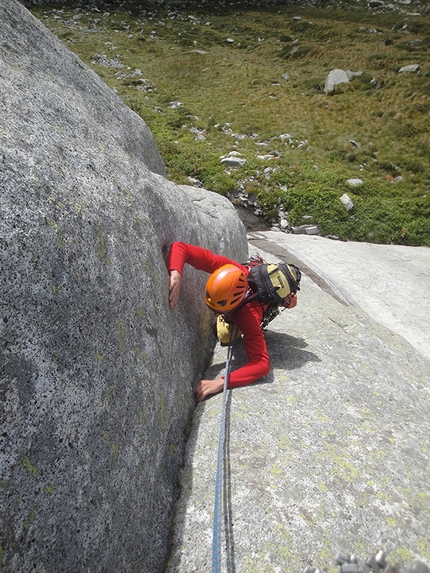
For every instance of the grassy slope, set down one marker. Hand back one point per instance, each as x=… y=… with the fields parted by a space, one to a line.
x=238 y=86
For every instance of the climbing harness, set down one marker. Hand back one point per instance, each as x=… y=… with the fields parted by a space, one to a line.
x=217 y=523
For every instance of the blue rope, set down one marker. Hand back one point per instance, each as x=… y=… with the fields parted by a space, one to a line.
x=217 y=524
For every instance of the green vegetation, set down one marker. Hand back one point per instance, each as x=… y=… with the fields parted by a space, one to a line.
x=211 y=82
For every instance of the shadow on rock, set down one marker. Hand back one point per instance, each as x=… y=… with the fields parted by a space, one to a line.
x=286 y=353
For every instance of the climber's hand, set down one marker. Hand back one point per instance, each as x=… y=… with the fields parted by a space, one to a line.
x=207 y=387
x=174 y=287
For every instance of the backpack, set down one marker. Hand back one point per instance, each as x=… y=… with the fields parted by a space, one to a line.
x=270 y=283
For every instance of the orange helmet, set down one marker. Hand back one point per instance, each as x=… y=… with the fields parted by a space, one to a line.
x=226 y=288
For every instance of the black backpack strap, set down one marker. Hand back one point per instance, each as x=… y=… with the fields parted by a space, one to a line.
x=258 y=281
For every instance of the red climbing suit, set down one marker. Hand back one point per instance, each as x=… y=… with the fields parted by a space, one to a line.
x=247 y=318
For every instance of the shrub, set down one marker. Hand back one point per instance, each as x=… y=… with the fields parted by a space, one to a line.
x=388 y=167
x=293 y=52
x=411 y=165
x=407 y=130
x=322 y=204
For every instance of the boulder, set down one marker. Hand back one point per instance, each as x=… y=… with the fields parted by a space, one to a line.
x=412 y=68
x=355 y=181
x=305 y=230
x=335 y=78
x=233 y=161
x=347 y=201
x=96 y=371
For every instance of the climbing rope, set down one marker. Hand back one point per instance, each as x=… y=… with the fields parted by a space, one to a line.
x=217 y=523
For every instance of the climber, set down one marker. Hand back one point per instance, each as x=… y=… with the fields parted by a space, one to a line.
x=226 y=294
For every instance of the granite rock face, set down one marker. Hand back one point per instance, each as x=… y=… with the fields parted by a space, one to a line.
x=97 y=372
x=328 y=453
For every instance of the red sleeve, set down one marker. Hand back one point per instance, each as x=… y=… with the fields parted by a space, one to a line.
x=248 y=320
x=199 y=258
